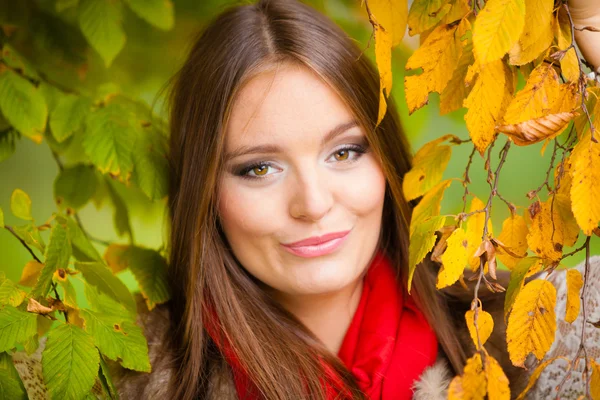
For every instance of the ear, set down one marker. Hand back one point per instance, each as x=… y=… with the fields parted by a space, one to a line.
x=433 y=382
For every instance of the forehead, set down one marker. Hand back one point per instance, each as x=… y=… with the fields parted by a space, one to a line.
x=287 y=103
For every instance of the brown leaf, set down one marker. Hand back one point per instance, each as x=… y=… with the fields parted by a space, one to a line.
x=538 y=129
x=441 y=245
x=486 y=247
x=34 y=307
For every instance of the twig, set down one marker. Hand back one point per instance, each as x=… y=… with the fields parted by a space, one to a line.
x=466 y=179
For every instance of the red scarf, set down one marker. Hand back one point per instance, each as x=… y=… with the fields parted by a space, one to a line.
x=387 y=346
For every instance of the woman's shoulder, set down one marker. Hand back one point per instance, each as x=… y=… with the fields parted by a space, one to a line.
x=433 y=382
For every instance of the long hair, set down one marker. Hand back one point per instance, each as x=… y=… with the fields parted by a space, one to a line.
x=280 y=354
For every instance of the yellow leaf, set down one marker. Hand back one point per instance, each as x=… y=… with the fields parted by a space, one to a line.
x=383 y=57
x=425 y=14
x=392 y=14
x=429 y=205
x=497 y=29
x=574 y=285
x=551 y=229
x=478 y=381
x=595 y=382
x=525 y=268
x=475 y=224
x=535 y=375
x=487 y=102
x=532 y=322
x=421 y=243
x=456 y=90
x=537 y=33
x=438 y=58
x=562 y=206
x=593 y=106
x=535 y=99
x=458 y=10
x=20 y=204
x=454 y=259
x=514 y=236
x=472 y=384
x=485 y=323
x=585 y=187
x=429 y=164
x=562 y=30
x=30 y=273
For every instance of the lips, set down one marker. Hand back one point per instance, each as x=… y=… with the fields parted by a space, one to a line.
x=315 y=240
x=318 y=245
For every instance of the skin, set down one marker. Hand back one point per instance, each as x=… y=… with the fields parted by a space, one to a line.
x=587 y=13
x=310 y=189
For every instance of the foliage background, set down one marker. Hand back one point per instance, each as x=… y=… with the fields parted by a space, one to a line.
x=143 y=67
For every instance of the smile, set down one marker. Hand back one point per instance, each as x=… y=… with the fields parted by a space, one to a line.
x=317 y=246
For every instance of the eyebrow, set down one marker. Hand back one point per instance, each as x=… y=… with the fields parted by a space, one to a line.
x=269 y=148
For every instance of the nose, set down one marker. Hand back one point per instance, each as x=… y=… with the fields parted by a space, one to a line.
x=312 y=196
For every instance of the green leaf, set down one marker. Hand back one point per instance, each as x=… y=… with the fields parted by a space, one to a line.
x=10 y=292
x=83 y=250
x=110 y=139
x=68 y=116
x=121 y=215
x=69 y=297
x=118 y=339
x=51 y=94
x=8 y=146
x=150 y=271
x=23 y=105
x=30 y=235
x=100 y=22
x=150 y=171
x=105 y=305
x=15 y=327
x=20 y=204
x=11 y=386
x=16 y=61
x=58 y=253
x=421 y=243
x=100 y=276
x=70 y=362
x=106 y=380
x=156 y=12
x=62 y=5
x=75 y=186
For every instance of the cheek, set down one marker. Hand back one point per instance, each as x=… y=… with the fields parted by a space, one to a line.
x=363 y=191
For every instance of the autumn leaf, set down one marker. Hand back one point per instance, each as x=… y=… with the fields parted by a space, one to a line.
x=478 y=381
x=474 y=232
x=574 y=285
x=537 y=33
x=514 y=237
x=383 y=57
x=438 y=57
x=532 y=322
x=428 y=168
x=429 y=205
x=487 y=102
x=30 y=273
x=425 y=14
x=421 y=243
x=595 y=382
x=497 y=29
x=585 y=187
x=568 y=61
x=454 y=259
x=535 y=376
x=485 y=323
x=524 y=268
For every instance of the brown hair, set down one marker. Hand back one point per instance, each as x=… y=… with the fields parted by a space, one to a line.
x=280 y=354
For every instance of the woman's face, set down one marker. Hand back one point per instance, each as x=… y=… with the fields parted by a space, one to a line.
x=298 y=167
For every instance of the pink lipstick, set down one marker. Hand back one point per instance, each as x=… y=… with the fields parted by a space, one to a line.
x=317 y=245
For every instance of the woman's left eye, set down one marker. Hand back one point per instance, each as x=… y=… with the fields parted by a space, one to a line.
x=345 y=153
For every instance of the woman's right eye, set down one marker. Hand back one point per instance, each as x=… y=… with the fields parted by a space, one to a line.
x=254 y=171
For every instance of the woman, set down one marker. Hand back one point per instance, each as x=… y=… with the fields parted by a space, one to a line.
x=289 y=230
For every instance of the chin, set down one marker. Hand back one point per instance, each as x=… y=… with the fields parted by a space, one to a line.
x=323 y=278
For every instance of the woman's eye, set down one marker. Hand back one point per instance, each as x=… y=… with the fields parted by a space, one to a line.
x=254 y=171
x=349 y=153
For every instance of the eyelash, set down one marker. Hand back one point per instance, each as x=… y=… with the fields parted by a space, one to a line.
x=242 y=172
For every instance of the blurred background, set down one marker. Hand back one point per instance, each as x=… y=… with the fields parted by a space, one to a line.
x=47 y=34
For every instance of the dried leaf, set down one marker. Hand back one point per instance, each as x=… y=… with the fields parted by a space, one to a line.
x=538 y=129
x=532 y=322
x=34 y=307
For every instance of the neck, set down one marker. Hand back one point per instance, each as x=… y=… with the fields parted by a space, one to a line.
x=328 y=315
